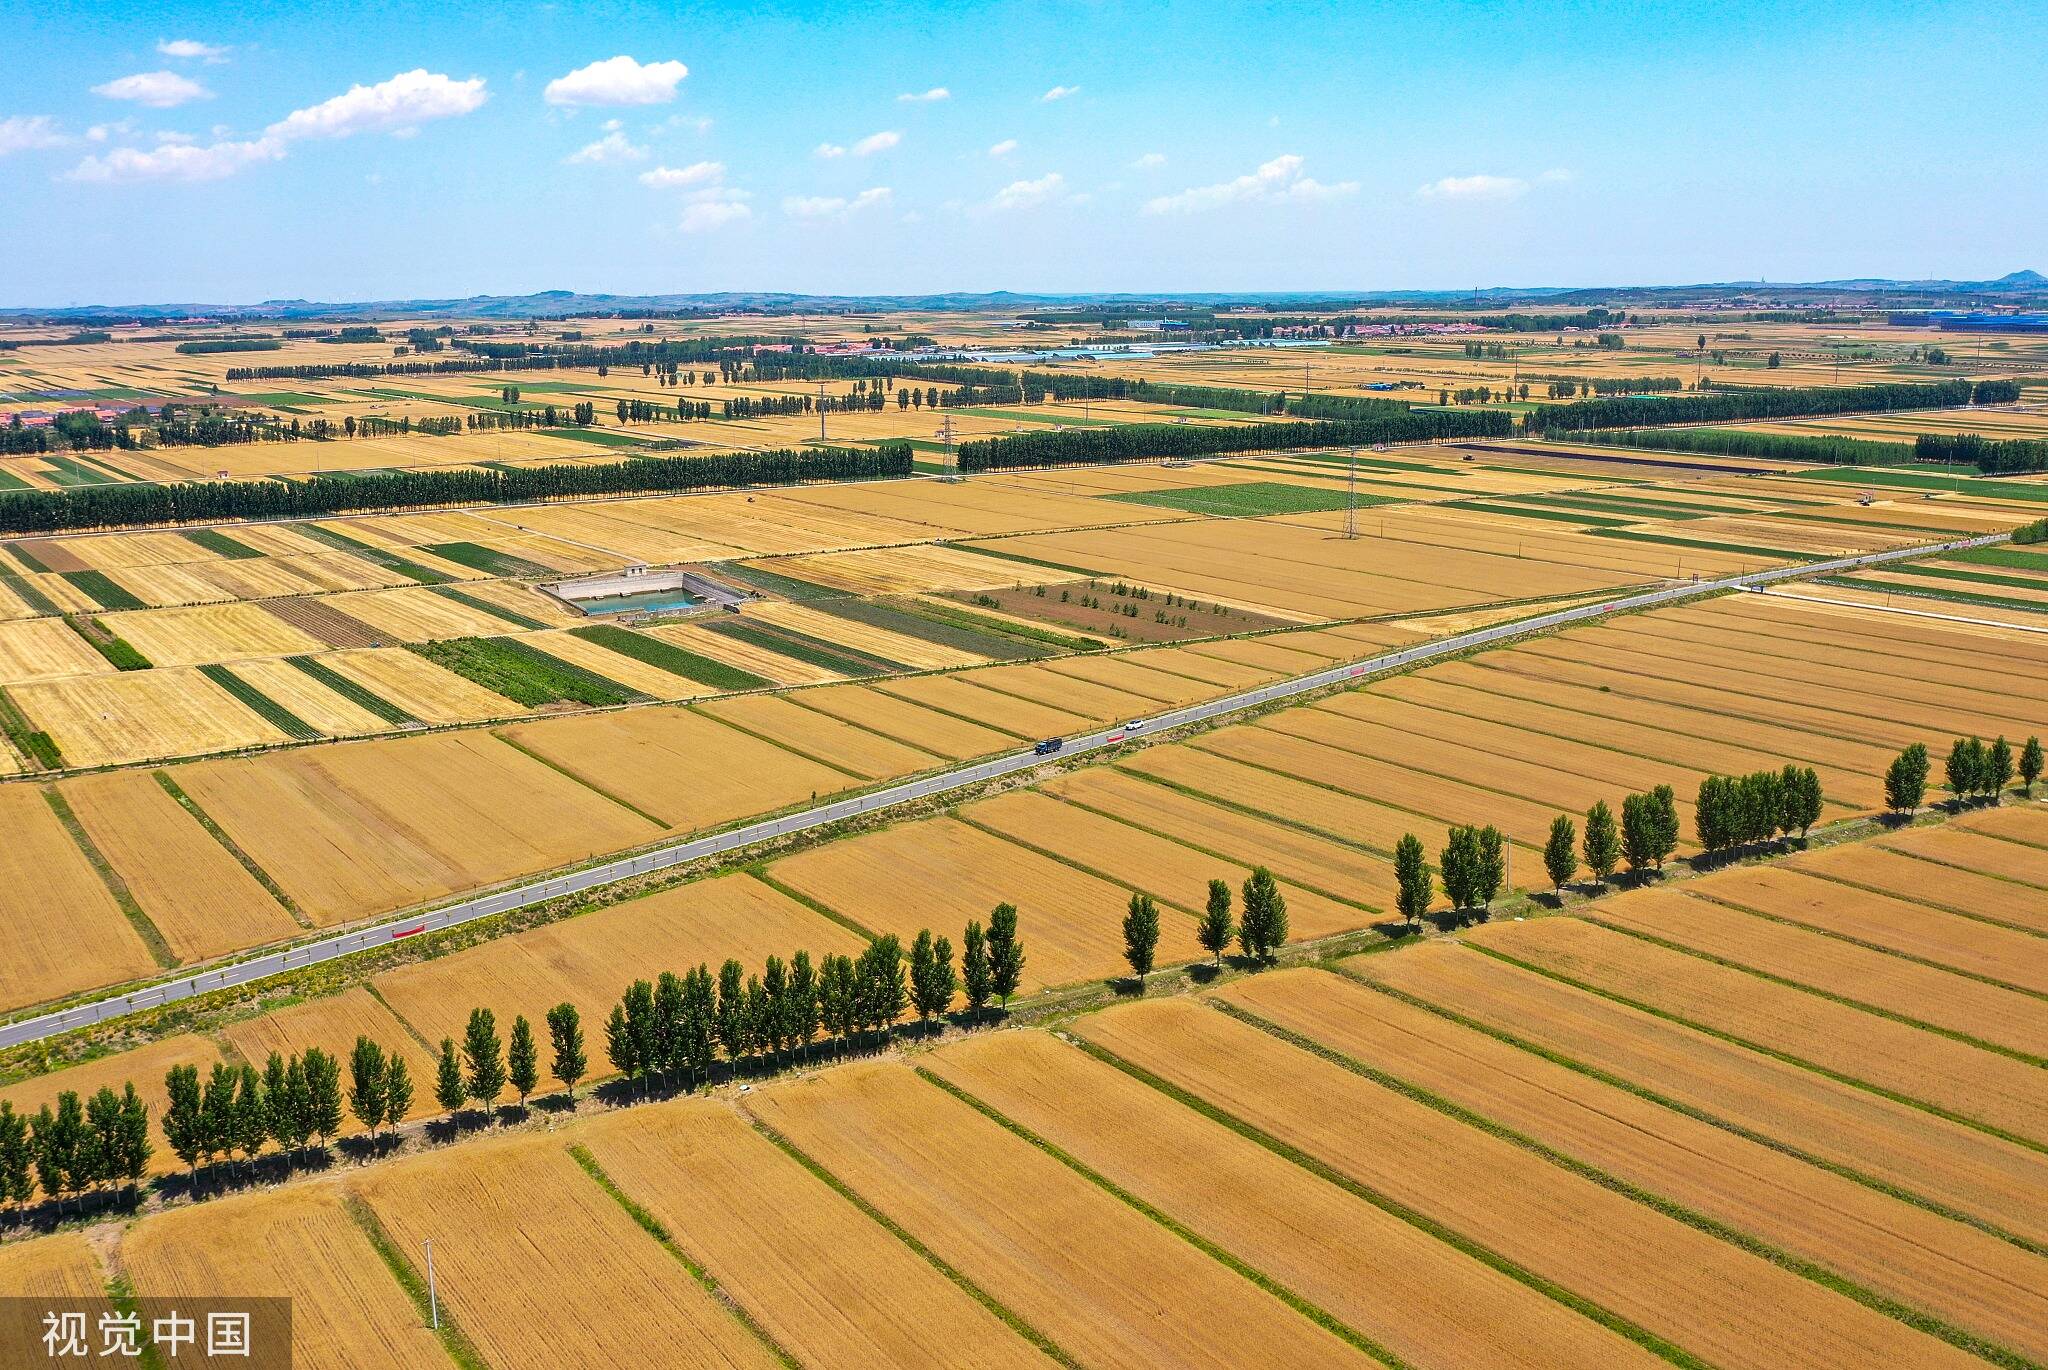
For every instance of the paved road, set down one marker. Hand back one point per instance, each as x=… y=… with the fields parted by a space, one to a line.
x=692 y=849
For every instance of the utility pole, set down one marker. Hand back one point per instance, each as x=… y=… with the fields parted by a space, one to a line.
x=433 y=1294
x=1351 y=498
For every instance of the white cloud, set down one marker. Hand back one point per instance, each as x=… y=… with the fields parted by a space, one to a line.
x=714 y=208
x=678 y=178
x=191 y=50
x=617 y=81
x=828 y=150
x=1151 y=161
x=1276 y=181
x=834 y=206
x=696 y=123
x=99 y=133
x=165 y=135
x=1004 y=148
x=608 y=150
x=1474 y=188
x=398 y=106
x=1058 y=93
x=1028 y=194
x=876 y=142
x=177 y=161
x=26 y=132
x=936 y=93
x=156 y=89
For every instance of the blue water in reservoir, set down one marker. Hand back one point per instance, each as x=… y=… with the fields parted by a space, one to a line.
x=646 y=602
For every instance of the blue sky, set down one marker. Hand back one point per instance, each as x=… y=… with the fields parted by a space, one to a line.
x=233 y=152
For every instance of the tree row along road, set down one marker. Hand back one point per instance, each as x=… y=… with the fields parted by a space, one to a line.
x=693 y=849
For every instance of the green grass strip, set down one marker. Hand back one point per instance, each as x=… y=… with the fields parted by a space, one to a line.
x=26 y=557
x=802 y=647
x=1971 y=597
x=484 y=606
x=1009 y=1317
x=353 y=692
x=652 y=1226
x=120 y=1291
x=1027 y=561
x=1315 y=1313
x=1554 y=515
x=1249 y=499
x=2010 y=557
x=10 y=481
x=379 y=556
x=486 y=559
x=262 y=704
x=1784 y=1057
x=234 y=848
x=910 y=620
x=1669 y=1208
x=1983 y=487
x=774 y=582
x=525 y=675
x=30 y=593
x=1912 y=568
x=152 y=937
x=585 y=781
x=454 y=1340
x=664 y=655
x=761 y=873
x=32 y=742
x=967 y=618
x=1648 y=1095
x=221 y=544
x=1741 y=549
x=1613 y=1322
x=103 y=589
x=118 y=651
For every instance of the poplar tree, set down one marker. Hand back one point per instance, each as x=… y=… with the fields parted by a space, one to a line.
x=1458 y=866
x=1216 y=928
x=618 y=1044
x=136 y=1147
x=483 y=1056
x=665 y=1024
x=1905 y=780
x=323 y=1094
x=1141 y=936
x=837 y=998
x=882 y=990
x=250 y=1124
x=183 y=1125
x=732 y=1011
x=977 y=978
x=16 y=1183
x=800 y=1007
x=397 y=1089
x=1560 y=853
x=700 y=1021
x=566 y=1063
x=522 y=1060
x=932 y=978
x=1005 y=953
x=1490 y=864
x=1603 y=844
x=448 y=1087
x=2030 y=765
x=366 y=1073
x=1263 y=929
x=54 y=1142
x=1416 y=886
x=1997 y=772
x=1638 y=833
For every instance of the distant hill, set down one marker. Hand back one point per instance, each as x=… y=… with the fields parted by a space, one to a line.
x=2014 y=287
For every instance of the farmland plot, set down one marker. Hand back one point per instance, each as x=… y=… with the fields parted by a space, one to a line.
x=41 y=869
x=1176 y=874
x=690 y=770
x=56 y=1267
x=351 y=831
x=1868 y=866
x=1929 y=1262
x=1422 y=1299
x=954 y=694
x=956 y=739
x=1107 y=1285
x=1831 y=965
x=1993 y=1181
x=838 y=745
x=1723 y=1304
x=144 y=1065
x=592 y=1288
x=419 y=687
x=296 y=1243
x=209 y=633
x=2014 y=958
x=107 y=720
x=938 y=873
x=45 y=649
x=190 y=886
x=589 y=960
x=1965 y=1080
x=828 y=1283
x=332 y=1024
